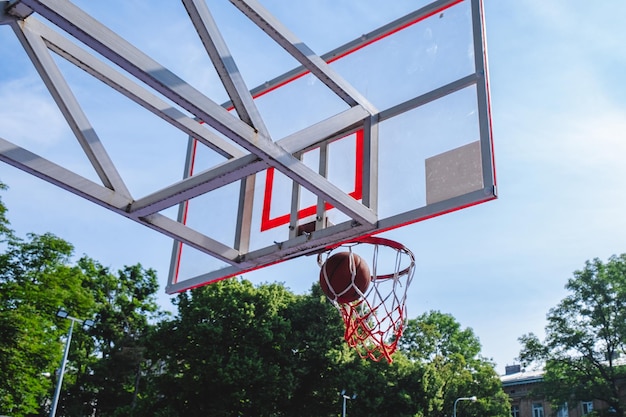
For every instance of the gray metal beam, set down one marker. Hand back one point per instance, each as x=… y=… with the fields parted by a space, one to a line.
x=99 y=70
x=301 y=245
x=224 y=64
x=40 y=167
x=482 y=91
x=239 y=168
x=240 y=96
x=198 y=184
x=193 y=238
x=14 y=8
x=429 y=97
x=71 y=110
x=112 y=200
x=74 y=21
x=302 y=53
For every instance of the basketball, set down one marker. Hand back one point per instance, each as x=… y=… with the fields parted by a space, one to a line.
x=336 y=277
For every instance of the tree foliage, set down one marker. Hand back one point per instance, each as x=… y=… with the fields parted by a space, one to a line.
x=264 y=351
x=37 y=276
x=451 y=367
x=113 y=362
x=236 y=349
x=585 y=335
x=35 y=279
x=105 y=362
x=231 y=349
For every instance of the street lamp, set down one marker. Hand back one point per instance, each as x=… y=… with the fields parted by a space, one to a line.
x=472 y=399
x=87 y=323
x=345 y=397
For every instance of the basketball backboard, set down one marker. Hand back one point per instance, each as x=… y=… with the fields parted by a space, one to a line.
x=315 y=127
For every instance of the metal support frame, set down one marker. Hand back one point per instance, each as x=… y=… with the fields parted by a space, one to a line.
x=244 y=130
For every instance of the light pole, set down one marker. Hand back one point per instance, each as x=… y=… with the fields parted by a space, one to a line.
x=345 y=397
x=87 y=323
x=472 y=399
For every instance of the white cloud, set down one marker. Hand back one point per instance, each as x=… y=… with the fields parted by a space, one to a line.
x=29 y=117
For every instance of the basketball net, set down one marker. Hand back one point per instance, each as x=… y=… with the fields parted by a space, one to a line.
x=375 y=322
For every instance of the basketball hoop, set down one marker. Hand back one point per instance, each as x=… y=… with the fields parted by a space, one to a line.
x=376 y=319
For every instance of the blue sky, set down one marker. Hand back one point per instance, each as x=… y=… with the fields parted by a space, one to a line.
x=559 y=127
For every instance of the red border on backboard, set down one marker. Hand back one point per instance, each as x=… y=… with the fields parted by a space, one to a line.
x=268 y=222
x=363 y=45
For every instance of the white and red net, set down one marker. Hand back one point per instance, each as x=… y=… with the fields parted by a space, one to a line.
x=375 y=322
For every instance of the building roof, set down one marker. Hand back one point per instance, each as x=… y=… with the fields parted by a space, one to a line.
x=523 y=377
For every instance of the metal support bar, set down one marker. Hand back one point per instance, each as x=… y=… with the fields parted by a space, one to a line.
x=298 y=49
x=99 y=70
x=239 y=168
x=46 y=170
x=76 y=22
x=482 y=90
x=244 y=104
x=71 y=110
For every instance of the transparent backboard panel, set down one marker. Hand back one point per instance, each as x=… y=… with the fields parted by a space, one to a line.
x=418 y=58
x=431 y=142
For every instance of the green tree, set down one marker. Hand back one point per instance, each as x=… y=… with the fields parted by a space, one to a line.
x=105 y=364
x=451 y=367
x=236 y=349
x=35 y=279
x=112 y=361
x=585 y=334
x=6 y=232
x=226 y=353
x=322 y=365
